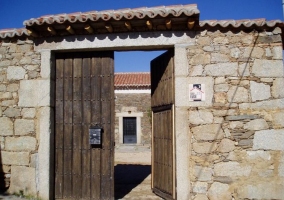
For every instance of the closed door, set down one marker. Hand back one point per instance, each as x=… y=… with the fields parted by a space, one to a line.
x=129 y=130
x=84 y=98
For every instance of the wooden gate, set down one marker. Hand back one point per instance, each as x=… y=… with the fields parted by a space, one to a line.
x=162 y=103
x=84 y=97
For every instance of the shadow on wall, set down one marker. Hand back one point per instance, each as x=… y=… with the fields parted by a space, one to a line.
x=127 y=177
x=3 y=186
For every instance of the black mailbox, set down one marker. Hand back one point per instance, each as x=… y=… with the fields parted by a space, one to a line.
x=95 y=135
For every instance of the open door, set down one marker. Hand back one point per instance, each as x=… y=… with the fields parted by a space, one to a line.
x=84 y=94
x=162 y=103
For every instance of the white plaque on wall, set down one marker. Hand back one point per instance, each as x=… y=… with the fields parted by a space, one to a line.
x=197 y=92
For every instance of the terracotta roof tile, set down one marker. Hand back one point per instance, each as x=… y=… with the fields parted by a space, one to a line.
x=237 y=23
x=135 y=80
x=118 y=17
x=106 y=15
x=10 y=33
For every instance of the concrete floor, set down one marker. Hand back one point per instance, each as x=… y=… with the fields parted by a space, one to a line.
x=133 y=173
x=9 y=197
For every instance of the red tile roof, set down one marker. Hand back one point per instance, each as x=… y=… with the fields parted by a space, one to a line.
x=10 y=33
x=107 y=15
x=238 y=23
x=162 y=18
x=261 y=23
x=135 y=80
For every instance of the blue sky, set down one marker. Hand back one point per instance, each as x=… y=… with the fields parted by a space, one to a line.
x=14 y=12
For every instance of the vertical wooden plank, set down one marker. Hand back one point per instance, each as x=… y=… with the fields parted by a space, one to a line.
x=164 y=82
x=170 y=151
x=156 y=128
x=96 y=119
x=165 y=147
x=153 y=164
x=86 y=150
x=77 y=127
x=112 y=123
x=159 y=170
x=168 y=80
x=106 y=178
x=154 y=132
x=172 y=88
x=154 y=79
x=158 y=159
x=173 y=153
x=162 y=153
x=59 y=128
x=68 y=93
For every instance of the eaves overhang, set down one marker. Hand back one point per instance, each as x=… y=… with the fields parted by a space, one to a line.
x=13 y=32
x=244 y=23
x=162 y=18
x=116 y=15
x=176 y=17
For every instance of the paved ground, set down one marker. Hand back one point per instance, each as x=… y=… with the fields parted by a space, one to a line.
x=9 y=197
x=132 y=174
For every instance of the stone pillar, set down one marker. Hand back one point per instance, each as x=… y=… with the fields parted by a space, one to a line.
x=45 y=172
x=182 y=134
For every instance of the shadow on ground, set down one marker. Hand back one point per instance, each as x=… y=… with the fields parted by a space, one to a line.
x=3 y=186
x=129 y=176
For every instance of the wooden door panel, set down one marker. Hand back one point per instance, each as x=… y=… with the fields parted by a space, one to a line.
x=162 y=103
x=59 y=129
x=86 y=106
x=107 y=108
x=77 y=127
x=162 y=79
x=96 y=108
x=84 y=97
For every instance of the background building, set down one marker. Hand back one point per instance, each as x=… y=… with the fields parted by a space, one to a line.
x=133 y=108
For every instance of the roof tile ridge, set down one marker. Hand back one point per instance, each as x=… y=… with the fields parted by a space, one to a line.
x=12 y=29
x=237 y=20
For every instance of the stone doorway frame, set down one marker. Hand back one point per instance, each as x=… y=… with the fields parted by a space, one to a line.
x=138 y=116
x=179 y=40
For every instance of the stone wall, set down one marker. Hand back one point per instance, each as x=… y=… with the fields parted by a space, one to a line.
x=237 y=135
x=138 y=102
x=19 y=124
